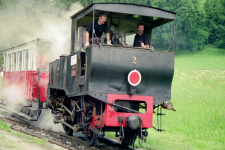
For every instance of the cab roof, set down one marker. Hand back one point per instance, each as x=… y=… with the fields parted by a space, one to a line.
x=124 y=8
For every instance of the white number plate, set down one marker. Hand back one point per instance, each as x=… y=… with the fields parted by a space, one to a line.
x=73 y=60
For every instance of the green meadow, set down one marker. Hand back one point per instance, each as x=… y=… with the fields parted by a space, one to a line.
x=198 y=95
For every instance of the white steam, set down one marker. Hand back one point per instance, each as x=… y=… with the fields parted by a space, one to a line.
x=46 y=122
x=14 y=95
x=27 y=20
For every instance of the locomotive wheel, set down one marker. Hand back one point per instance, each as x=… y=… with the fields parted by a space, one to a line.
x=90 y=138
x=68 y=130
x=89 y=135
x=68 y=119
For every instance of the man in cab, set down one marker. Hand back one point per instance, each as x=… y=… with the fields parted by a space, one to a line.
x=100 y=26
x=141 y=39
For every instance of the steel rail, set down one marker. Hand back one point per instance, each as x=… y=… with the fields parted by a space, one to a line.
x=26 y=127
x=66 y=138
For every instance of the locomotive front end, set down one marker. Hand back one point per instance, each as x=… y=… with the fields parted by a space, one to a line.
x=103 y=87
x=128 y=88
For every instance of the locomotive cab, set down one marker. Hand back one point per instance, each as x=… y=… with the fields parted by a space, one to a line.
x=122 y=27
x=104 y=87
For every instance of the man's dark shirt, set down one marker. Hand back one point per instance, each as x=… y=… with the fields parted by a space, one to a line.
x=98 y=29
x=138 y=39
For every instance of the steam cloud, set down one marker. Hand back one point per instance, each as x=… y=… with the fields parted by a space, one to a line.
x=27 y=20
x=14 y=95
x=46 y=122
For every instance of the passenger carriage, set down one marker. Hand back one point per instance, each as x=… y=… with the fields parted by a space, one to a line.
x=26 y=69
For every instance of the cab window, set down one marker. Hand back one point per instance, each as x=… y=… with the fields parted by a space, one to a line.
x=130 y=38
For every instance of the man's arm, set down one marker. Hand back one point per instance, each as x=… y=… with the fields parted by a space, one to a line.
x=108 y=36
x=147 y=42
x=144 y=46
x=88 y=31
x=108 y=39
x=87 y=40
x=87 y=37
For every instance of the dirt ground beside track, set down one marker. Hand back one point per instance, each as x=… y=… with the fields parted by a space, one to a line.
x=10 y=141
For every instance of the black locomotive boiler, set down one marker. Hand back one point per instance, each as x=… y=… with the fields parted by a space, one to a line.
x=104 y=87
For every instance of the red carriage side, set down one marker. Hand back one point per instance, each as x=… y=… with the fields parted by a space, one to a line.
x=26 y=71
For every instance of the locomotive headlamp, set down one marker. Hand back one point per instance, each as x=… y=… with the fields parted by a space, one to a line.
x=134 y=77
x=134 y=122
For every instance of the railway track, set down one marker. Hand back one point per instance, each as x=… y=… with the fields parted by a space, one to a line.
x=61 y=139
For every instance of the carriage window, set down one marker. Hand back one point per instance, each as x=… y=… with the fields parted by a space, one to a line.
x=5 y=61
x=9 y=63
x=25 y=58
x=17 y=61
x=32 y=58
x=20 y=60
x=14 y=61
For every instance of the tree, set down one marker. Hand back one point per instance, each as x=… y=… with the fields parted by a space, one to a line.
x=190 y=22
x=216 y=21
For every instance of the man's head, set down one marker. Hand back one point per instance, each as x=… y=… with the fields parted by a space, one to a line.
x=140 y=28
x=102 y=17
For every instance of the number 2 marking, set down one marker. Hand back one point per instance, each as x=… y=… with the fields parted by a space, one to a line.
x=134 y=58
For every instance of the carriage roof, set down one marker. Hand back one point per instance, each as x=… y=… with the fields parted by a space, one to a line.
x=35 y=41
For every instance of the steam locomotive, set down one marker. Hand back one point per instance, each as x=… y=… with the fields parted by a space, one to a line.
x=103 y=88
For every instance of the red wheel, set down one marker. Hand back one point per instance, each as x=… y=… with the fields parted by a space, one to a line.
x=89 y=135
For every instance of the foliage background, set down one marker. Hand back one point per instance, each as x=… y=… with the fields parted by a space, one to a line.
x=198 y=22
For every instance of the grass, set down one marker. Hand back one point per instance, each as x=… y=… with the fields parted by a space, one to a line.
x=11 y=142
x=4 y=126
x=31 y=138
x=209 y=58
x=198 y=95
